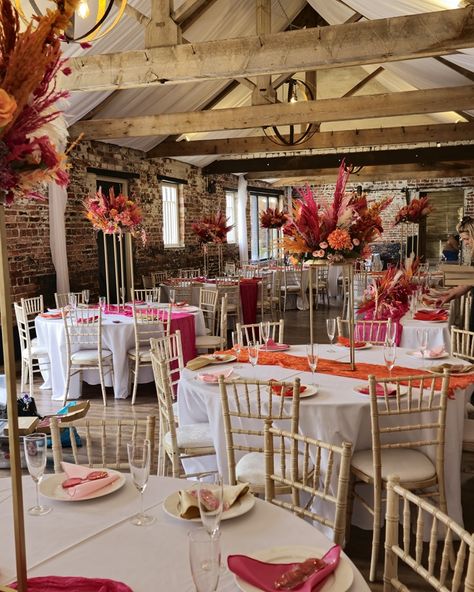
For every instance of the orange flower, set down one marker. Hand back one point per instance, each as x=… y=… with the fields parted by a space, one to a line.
x=7 y=107
x=339 y=240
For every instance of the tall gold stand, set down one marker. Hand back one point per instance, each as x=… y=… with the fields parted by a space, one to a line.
x=121 y=250
x=13 y=434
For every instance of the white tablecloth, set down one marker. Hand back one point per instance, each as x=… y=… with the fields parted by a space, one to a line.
x=335 y=415
x=95 y=539
x=117 y=336
x=438 y=333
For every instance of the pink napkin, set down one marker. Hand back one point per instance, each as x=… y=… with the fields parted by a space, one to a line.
x=274 y=346
x=85 y=320
x=73 y=584
x=431 y=315
x=213 y=377
x=263 y=575
x=431 y=353
x=51 y=315
x=379 y=391
x=84 y=489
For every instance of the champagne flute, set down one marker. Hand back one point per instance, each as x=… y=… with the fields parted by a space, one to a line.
x=389 y=355
x=36 y=446
x=72 y=300
x=422 y=339
x=265 y=333
x=139 y=461
x=253 y=348
x=391 y=332
x=102 y=303
x=210 y=496
x=237 y=345
x=85 y=296
x=331 y=330
x=204 y=559
x=312 y=355
x=122 y=295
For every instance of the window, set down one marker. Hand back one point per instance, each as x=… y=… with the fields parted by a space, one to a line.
x=231 y=215
x=263 y=240
x=171 y=234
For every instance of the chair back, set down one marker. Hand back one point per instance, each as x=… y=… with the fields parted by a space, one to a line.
x=147 y=282
x=208 y=305
x=230 y=268
x=371 y=331
x=189 y=273
x=431 y=562
x=62 y=300
x=145 y=294
x=148 y=323
x=32 y=306
x=23 y=328
x=169 y=349
x=418 y=405
x=245 y=405
x=231 y=289
x=462 y=344
x=103 y=442
x=180 y=290
x=308 y=466
x=253 y=332
x=158 y=277
x=83 y=326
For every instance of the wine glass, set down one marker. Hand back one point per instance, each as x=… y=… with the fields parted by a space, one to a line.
x=422 y=339
x=389 y=355
x=102 y=303
x=139 y=461
x=237 y=345
x=210 y=496
x=204 y=559
x=36 y=446
x=253 y=349
x=172 y=297
x=312 y=355
x=85 y=296
x=122 y=295
x=72 y=299
x=265 y=333
x=149 y=299
x=391 y=332
x=331 y=329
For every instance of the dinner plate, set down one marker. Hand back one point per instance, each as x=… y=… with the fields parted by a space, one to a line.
x=309 y=391
x=220 y=358
x=198 y=377
x=271 y=349
x=439 y=369
x=51 y=487
x=339 y=581
x=358 y=390
x=241 y=506
x=366 y=346
x=416 y=354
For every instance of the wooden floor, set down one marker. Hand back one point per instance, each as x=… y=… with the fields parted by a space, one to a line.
x=296 y=331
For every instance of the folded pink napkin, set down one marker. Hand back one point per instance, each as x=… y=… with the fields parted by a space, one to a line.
x=274 y=346
x=88 y=487
x=73 y=584
x=85 y=320
x=379 y=391
x=436 y=352
x=431 y=315
x=51 y=315
x=213 y=377
x=264 y=575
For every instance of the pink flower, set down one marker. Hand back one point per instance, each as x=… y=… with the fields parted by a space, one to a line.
x=320 y=253
x=323 y=245
x=356 y=242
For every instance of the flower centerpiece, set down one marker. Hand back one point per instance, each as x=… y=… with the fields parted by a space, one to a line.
x=415 y=211
x=212 y=229
x=334 y=231
x=273 y=218
x=114 y=214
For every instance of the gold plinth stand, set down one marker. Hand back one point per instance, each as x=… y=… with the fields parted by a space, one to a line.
x=120 y=251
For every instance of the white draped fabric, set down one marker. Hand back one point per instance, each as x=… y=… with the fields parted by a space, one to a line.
x=242 y=198
x=57 y=235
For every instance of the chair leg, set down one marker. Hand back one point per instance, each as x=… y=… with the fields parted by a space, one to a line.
x=24 y=371
x=30 y=376
x=102 y=383
x=350 y=507
x=68 y=380
x=375 y=536
x=135 y=379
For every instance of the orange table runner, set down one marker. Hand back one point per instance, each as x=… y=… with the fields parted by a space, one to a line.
x=362 y=370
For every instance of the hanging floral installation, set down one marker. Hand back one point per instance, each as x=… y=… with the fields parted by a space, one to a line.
x=212 y=229
x=273 y=218
x=32 y=128
x=115 y=214
x=415 y=211
x=333 y=231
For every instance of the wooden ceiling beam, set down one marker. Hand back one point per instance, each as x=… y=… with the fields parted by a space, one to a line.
x=426 y=156
x=361 y=43
x=445 y=132
x=344 y=109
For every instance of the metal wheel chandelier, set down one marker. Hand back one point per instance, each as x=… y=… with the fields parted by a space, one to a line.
x=292 y=91
x=97 y=23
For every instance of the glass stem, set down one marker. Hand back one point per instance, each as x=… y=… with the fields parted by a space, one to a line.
x=37 y=492
x=141 y=504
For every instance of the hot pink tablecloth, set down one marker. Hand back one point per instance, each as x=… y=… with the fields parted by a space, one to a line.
x=184 y=321
x=248 y=298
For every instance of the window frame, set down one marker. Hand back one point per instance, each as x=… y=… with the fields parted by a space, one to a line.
x=177 y=221
x=255 y=229
x=232 y=235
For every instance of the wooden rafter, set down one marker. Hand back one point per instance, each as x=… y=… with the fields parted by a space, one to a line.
x=359 y=107
x=190 y=11
x=365 y=42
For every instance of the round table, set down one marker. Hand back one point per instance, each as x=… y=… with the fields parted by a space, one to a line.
x=95 y=538
x=118 y=337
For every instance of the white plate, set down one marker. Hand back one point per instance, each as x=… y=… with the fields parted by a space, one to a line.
x=346 y=347
x=51 y=487
x=214 y=359
x=416 y=354
x=391 y=387
x=232 y=376
x=274 y=349
x=339 y=581
x=309 y=391
x=241 y=506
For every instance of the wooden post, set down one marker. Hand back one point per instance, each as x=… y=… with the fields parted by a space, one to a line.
x=13 y=435
x=106 y=263
x=351 y=316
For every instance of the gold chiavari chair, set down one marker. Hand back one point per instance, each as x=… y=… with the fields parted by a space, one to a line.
x=252 y=332
x=371 y=331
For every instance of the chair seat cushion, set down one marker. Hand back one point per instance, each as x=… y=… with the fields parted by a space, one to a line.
x=251 y=468
x=208 y=341
x=196 y=435
x=89 y=356
x=468 y=435
x=36 y=352
x=410 y=465
x=144 y=354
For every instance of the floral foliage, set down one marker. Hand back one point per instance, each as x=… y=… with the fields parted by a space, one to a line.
x=272 y=218
x=114 y=214
x=335 y=231
x=415 y=211
x=30 y=61
x=212 y=229
x=387 y=296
